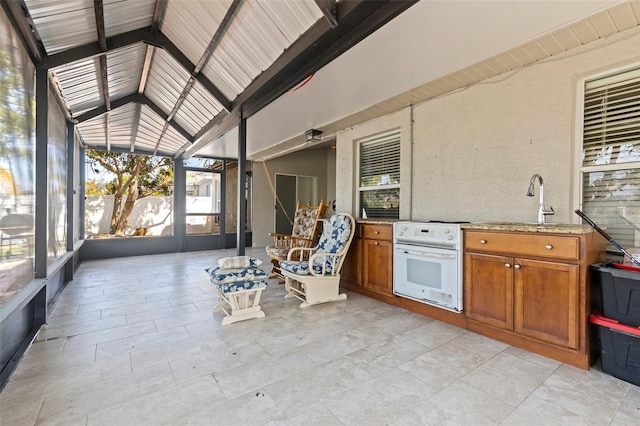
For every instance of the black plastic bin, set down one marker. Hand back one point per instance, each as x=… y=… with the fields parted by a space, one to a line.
x=620 y=293
x=619 y=348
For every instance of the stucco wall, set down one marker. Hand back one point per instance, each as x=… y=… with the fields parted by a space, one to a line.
x=475 y=150
x=306 y=163
x=346 y=173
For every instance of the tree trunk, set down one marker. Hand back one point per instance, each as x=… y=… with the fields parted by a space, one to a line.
x=115 y=215
x=130 y=201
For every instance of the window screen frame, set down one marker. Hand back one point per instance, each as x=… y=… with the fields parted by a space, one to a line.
x=618 y=207
x=392 y=136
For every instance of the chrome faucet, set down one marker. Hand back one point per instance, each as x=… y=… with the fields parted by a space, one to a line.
x=542 y=213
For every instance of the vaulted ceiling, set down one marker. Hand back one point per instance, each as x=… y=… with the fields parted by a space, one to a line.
x=158 y=76
x=173 y=77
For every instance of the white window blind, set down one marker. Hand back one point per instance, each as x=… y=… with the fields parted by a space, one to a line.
x=611 y=155
x=379 y=176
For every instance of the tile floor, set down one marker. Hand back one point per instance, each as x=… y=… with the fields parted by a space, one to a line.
x=134 y=342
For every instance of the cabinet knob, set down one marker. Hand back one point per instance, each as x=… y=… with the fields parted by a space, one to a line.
x=507 y=265
x=376 y=243
x=516 y=266
x=548 y=246
x=483 y=241
x=376 y=232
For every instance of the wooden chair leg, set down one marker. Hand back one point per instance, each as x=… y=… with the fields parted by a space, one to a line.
x=276 y=272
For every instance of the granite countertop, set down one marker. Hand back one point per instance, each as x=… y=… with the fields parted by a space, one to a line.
x=377 y=221
x=555 y=228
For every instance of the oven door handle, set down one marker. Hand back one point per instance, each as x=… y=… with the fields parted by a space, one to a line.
x=427 y=254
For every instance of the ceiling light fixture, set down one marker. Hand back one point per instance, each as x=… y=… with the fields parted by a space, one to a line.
x=314 y=135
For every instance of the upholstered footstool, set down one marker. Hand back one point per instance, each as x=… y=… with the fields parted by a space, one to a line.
x=239 y=283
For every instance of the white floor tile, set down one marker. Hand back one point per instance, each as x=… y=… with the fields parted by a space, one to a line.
x=380 y=400
x=357 y=361
x=517 y=378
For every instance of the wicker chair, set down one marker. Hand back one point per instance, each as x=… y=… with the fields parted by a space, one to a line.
x=307 y=224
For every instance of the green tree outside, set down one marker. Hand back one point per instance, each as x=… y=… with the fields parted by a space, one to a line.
x=134 y=177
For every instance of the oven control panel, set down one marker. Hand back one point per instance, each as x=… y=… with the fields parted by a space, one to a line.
x=427 y=233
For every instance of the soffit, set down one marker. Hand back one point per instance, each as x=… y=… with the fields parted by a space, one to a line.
x=618 y=17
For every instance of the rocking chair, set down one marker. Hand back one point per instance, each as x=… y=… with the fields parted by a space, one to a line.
x=317 y=280
x=306 y=228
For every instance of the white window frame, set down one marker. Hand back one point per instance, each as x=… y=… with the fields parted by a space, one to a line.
x=579 y=151
x=378 y=138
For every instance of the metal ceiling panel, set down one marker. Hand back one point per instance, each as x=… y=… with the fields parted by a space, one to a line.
x=121 y=126
x=93 y=132
x=149 y=129
x=198 y=109
x=122 y=16
x=260 y=33
x=79 y=85
x=190 y=25
x=124 y=68
x=166 y=80
x=63 y=24
x=292 y=18
x=171 y=142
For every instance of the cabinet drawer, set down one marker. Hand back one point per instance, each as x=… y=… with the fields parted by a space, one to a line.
x=377 y=232
x=516 y=244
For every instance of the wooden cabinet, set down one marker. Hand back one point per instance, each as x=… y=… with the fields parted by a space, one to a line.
x=546 y=301
x=488 y=293
x=530 y=290
x=377 y=256
x=368 y=268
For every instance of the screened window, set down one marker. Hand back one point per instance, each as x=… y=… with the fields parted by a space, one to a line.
x=379 y=176
x=128 y=194
x=203 y=202
x=611 y=155
x=17 y=165
x=57 y=182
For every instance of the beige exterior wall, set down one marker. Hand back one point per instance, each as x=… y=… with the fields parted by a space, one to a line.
x=347 y=173
x=475 y=150
x=304 y=163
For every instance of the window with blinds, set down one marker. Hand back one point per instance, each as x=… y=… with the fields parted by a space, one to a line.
x=611 y=155
x=379 y=176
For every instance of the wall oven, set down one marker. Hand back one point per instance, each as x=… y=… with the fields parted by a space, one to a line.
x=427 y=263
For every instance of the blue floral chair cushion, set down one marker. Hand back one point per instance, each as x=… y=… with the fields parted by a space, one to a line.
x=242 y=285
x=335 y=236
x=223 y=276
x=302 y=268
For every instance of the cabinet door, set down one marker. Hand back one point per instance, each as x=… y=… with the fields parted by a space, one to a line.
x=352 y=265
x=489 y=289
x=378 y=266
x=546 y=301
